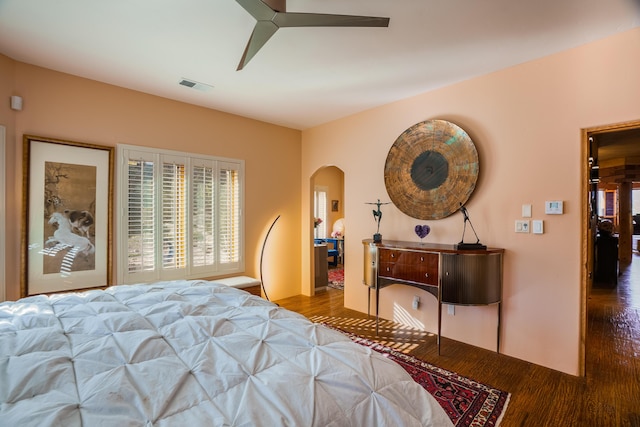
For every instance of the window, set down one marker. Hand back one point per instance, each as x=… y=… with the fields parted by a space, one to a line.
x=607 y=204
x=181 y=215
x=320 y=211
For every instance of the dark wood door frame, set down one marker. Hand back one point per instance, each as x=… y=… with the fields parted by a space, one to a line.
x=587 y=228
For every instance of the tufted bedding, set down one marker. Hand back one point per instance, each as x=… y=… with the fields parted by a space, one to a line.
x=192 y=353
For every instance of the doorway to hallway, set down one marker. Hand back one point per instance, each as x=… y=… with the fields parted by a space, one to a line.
x=611 y=176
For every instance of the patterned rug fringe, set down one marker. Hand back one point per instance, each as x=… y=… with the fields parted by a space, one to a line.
x=466 y=402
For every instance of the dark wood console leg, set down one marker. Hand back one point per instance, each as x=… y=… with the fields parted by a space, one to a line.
x=439 y=325
x=377 y=308
x=499 y=319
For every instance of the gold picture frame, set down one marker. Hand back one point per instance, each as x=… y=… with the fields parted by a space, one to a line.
x=67 y=215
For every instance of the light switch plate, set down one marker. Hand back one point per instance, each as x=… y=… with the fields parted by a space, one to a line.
x=537 y=226
x=522 y=226
x=526 y=211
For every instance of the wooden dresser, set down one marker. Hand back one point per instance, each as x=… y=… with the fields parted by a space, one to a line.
x=454 y=277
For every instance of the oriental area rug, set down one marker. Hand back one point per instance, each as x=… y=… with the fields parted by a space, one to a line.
x=336 y=278
x=466 y=402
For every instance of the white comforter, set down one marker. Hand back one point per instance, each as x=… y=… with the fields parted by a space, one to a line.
x=192 y=353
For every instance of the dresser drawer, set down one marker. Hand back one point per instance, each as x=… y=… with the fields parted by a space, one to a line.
x=419 y=267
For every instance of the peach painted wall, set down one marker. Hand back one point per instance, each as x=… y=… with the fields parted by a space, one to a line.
x=63 y=106
x=526 y=123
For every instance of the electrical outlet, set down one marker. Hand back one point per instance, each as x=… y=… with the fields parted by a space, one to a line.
x=416 y=302
x=451 y=310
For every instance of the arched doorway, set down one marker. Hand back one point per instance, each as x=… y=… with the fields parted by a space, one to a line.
x=328 y=228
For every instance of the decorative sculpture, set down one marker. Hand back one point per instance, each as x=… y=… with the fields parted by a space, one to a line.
x=422 y=231
x=430 y=169
x=469 y=246
x=377 y=216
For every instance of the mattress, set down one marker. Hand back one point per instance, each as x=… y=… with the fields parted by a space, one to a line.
x=192 y=353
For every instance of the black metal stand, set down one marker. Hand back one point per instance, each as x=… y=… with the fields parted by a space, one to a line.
x=469 y=246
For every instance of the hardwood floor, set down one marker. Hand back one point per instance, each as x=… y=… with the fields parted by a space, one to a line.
x=609 y=395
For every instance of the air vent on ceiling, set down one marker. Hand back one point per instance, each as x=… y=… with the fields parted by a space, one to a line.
x=202 y=87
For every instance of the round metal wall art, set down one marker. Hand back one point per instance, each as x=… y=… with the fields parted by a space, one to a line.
x=431 y=169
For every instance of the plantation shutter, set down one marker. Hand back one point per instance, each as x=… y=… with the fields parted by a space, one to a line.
x=141 y=214
x=174 y=210
x=229 y=213
x=182 y=216
x=321 y=211
x=203 y=203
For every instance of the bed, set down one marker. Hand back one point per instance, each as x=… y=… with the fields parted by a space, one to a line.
x=192 y=353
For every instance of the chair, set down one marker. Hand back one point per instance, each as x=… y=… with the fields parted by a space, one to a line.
x=335 y=245
x=332 y=251
x=606 y=261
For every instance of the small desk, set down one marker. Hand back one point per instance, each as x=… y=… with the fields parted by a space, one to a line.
x=456 y=277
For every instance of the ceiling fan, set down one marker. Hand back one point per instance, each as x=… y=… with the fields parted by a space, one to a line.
x=272 y=15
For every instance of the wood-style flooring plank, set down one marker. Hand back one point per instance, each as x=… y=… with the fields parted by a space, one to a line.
x=609 y=394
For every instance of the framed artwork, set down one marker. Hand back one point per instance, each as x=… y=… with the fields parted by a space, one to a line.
x=335 y=206
x=67 y=215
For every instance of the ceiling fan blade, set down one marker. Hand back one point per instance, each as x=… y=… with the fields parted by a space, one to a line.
x=257 y=9
x=293 y=19
x=277 y=5
x=262 y=32
x=271 y=15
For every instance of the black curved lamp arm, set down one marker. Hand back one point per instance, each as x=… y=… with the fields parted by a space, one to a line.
x=262 y=256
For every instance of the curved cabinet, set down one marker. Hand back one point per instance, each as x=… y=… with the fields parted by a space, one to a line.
x=471 y=279
x=455 y=277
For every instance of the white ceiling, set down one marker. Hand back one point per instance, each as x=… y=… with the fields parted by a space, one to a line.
x=302 y=77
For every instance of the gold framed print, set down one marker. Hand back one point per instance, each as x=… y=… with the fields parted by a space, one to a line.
x=67 y=215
